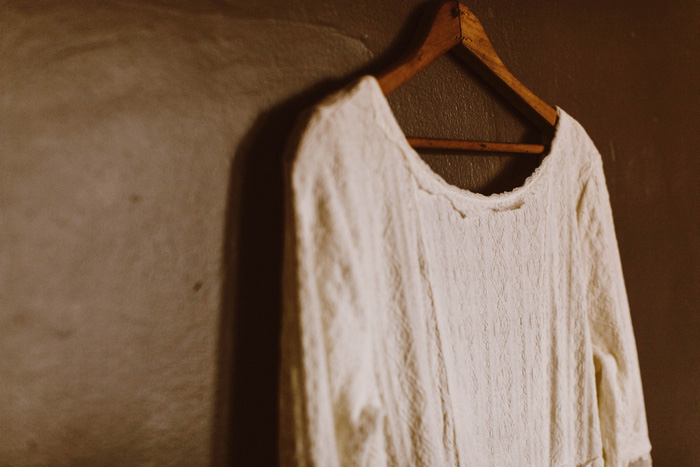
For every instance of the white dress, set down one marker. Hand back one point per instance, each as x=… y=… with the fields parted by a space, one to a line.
x=429 y=325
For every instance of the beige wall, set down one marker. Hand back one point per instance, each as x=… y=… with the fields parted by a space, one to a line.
x=141 y=201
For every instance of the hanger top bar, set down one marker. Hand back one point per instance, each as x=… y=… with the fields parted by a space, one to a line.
x=453 y=25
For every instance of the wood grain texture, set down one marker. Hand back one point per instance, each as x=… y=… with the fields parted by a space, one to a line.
x=436 y=143
x=443 y=33
x=494 y=71
x=453 y=26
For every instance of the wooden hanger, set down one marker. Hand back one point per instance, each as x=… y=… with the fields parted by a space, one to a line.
x=454 y=26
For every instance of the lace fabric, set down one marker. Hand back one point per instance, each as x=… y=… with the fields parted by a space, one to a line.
x=428 y=325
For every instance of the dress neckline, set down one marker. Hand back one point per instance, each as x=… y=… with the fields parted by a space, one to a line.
x=435 y=183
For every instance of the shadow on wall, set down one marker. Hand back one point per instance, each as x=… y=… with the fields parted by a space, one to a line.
x=246 y=420
x=245 y=431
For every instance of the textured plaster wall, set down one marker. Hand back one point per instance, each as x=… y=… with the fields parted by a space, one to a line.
x=120 y=125
x=141 y=200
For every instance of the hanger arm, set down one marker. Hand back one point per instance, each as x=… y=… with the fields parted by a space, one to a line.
x=479 y=53
x=443 y=33
x=451 y=25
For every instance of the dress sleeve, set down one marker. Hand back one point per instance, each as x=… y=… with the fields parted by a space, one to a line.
x=618 y=383
x=330 y=408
